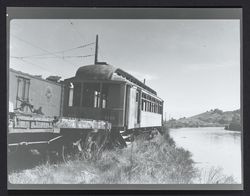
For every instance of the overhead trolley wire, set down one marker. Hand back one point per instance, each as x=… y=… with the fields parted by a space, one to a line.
x=60 y=51
x=72 y=24
x=52 y=53
x=35 y=64
x=31 y=44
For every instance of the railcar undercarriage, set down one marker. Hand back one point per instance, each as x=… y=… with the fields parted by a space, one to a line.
x=64 y=139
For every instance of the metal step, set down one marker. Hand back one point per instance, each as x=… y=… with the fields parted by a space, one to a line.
x=126 y=136
x=123 y=131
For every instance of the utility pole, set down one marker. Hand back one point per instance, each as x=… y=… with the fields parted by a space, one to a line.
x=96 y=50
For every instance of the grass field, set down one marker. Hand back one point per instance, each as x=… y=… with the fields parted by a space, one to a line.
x=156 y=161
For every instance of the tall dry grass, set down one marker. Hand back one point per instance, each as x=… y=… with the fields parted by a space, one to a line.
x=213 y=175
x=156 y=161
x=147 y=162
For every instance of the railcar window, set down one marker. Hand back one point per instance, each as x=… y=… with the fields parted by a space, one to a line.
x=91 y=96
x=150 y=104
x=76 y=94
x=160 y=108
x=23 y=88
x=104 y=95
x=23 y=85
x=88 y=95
x=97 y=97
x=104 y=101
x=90 y=92
x=71 y=90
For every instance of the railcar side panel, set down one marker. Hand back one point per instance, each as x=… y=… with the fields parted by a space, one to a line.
x=149 y=119
x=112 y=110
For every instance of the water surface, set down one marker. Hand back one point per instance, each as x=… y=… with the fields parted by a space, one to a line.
x=212 y=147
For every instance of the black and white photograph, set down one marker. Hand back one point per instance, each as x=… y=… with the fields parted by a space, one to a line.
x=125 y=101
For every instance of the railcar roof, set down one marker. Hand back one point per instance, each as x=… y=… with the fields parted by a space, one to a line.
x=105 y=72
x=96 y=72
x=33 y=76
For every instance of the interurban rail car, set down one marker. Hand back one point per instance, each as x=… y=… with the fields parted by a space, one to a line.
x=99 y=100
x=103 y=92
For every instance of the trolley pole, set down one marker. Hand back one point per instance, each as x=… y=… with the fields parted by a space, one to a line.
x=96 y=49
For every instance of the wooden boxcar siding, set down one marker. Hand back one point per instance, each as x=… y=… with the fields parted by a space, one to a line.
x=37 y=93
x=149 y=119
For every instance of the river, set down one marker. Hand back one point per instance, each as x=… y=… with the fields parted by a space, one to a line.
x=212 y=147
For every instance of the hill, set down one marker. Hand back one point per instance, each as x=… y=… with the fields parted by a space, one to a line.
x=213 y=118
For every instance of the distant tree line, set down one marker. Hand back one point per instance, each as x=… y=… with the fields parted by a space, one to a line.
x=234 y=125
x=212 y=118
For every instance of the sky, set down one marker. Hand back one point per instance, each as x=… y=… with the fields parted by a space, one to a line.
x=194 y=65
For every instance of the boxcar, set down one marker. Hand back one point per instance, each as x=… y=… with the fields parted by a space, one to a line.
x=28 y=93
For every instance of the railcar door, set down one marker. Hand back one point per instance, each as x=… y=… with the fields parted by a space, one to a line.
x=133 y=108
x=138 y=103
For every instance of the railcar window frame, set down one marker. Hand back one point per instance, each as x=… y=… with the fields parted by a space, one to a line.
x=104 y=95
x=92 y=94
x=151 y=104
x=23 y=88
x=70 y=94
x=77 y=94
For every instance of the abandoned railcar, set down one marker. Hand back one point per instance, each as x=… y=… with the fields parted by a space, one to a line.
x=99 y=92
x=103 y=92
x=100 y=106
x=36 y=121
x=100 y=102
